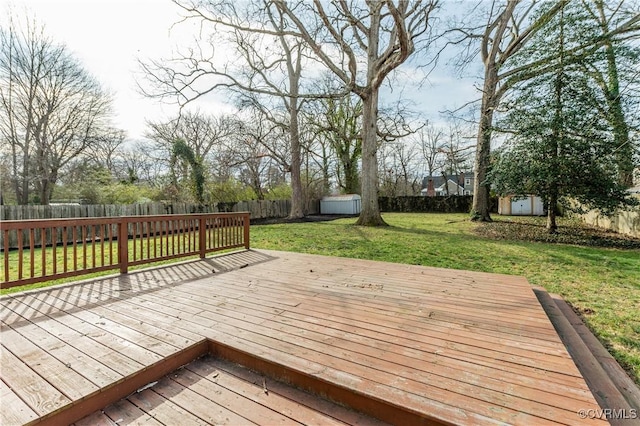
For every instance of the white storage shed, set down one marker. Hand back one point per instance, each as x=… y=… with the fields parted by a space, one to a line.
x=341 y=204
x=531 y=205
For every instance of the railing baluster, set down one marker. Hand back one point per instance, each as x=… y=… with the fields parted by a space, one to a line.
x=123 y=246
x=140 y=227
x=43 y=251
x=32 y=251
x=94 y=242
x=173 y=236
x=110 y=233
x=148 y=240
x=202 y=228
x=247 y=225
x=75 y=248
x=133 y=241
x=6 y=256
x=84 y=247
x=154 y=240
x=54 y=246
x=20 y=253
x=65 y=236
x=102 y=236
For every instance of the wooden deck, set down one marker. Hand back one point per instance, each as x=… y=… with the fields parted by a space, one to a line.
x=442 y=346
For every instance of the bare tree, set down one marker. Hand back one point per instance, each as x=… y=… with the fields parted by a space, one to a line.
x=135 y=165
x=255 y=151
x=361 y=44
x=202 y=132
x=318 y=157
x=430 y=139
x=400 y=168
x=339 y=121
x=264 y=71
x=206 y=135
x=51 y=109
x=457 y=148
x=107 y=149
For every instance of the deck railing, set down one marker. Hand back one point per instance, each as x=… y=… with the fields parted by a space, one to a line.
x=43 y=250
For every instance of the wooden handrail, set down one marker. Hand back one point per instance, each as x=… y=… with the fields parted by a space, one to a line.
x=50 y=249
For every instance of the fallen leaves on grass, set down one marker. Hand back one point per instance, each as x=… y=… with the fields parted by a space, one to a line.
x=574 y=233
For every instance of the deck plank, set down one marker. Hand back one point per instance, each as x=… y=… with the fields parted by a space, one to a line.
x=134 y=353
x=428 y=321
x=315 y=410
x=208 y=387
x=238 y=312
x=65 y=376
x=37 y=392
x=96 y=419
x=106 y=364
x=163 y=409
x=112 y=334
x=19 y=413
x=255 y=392
x=124 y=412
x=198 y=405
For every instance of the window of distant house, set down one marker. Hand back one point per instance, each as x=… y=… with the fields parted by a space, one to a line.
x=467 y=182
x=467 y=192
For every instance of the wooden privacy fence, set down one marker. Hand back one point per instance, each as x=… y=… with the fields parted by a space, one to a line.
x=259 y=209
x=57 y=248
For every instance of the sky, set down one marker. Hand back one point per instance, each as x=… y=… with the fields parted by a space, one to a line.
x=109 y=37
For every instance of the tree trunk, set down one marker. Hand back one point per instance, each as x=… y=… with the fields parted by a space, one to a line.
x=23 y=181
x=297 y=196
x=370 y=214
x=44 y=191
x=552 y=227
x=481 y=189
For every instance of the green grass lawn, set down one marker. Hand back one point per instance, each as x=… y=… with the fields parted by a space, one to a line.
x=602 y=283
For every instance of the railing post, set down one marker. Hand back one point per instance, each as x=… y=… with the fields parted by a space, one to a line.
x=247 y=221
x=202 y=234
x=123 y=246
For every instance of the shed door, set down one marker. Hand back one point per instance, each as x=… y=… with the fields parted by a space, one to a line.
x=521 y=207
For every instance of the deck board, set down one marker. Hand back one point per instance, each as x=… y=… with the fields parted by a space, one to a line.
x=36 y=391
x=19 y=411
x=459 y=346
x=215 y=383
x=105 y=364
x=65 y=375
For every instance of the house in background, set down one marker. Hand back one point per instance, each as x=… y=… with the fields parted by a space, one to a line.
x=443 y=185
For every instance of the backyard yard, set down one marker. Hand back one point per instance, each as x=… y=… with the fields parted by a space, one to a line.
x=602 y=283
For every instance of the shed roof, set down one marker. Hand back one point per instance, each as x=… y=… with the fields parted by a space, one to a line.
x=345 y=197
